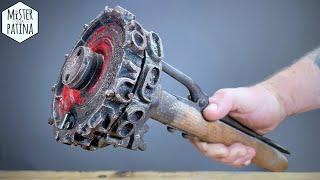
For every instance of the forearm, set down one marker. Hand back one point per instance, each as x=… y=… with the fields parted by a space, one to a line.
x=297 y=87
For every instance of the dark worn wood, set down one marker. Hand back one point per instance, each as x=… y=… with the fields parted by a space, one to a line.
x=186 y=118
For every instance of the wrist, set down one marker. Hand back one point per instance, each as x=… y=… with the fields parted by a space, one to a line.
x=271 y=92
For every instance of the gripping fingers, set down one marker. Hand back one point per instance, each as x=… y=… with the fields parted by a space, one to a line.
x=236 y=155
x=240 y=155
x=243 y=161
x=214 y=151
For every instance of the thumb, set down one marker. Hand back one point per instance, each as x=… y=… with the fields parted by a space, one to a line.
x=220 y=104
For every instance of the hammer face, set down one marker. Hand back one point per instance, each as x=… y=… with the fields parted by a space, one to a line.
x=108 y=84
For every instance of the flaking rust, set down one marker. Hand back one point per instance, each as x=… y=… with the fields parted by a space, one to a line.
x=107 y=84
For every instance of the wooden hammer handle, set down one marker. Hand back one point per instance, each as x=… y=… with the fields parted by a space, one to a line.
x=186 y=118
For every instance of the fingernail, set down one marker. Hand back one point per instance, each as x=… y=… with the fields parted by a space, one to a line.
x=204 y=146
x=212 y=107
x=247 y=162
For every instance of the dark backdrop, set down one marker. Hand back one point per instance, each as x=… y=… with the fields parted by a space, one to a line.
x=218 y=43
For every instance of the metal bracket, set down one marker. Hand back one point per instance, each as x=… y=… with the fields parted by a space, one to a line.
x=198 y=98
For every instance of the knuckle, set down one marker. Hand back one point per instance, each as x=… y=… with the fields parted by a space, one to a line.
x=220 y=151
x=211 y=153
x=237 y=144
x=251 y=151
x=222 y=92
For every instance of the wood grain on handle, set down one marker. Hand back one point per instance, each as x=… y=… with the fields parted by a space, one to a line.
x=182 y=116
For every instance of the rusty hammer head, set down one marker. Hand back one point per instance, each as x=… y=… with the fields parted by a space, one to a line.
x=108 y=84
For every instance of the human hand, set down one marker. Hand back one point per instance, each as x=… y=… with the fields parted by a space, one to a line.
x=255 y=107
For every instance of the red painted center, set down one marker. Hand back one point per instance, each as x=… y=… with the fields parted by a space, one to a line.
x=70 y=97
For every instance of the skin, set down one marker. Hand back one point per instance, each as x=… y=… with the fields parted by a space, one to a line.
x=264 y=106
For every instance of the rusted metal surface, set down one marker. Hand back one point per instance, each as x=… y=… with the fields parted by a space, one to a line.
x=108 y=84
